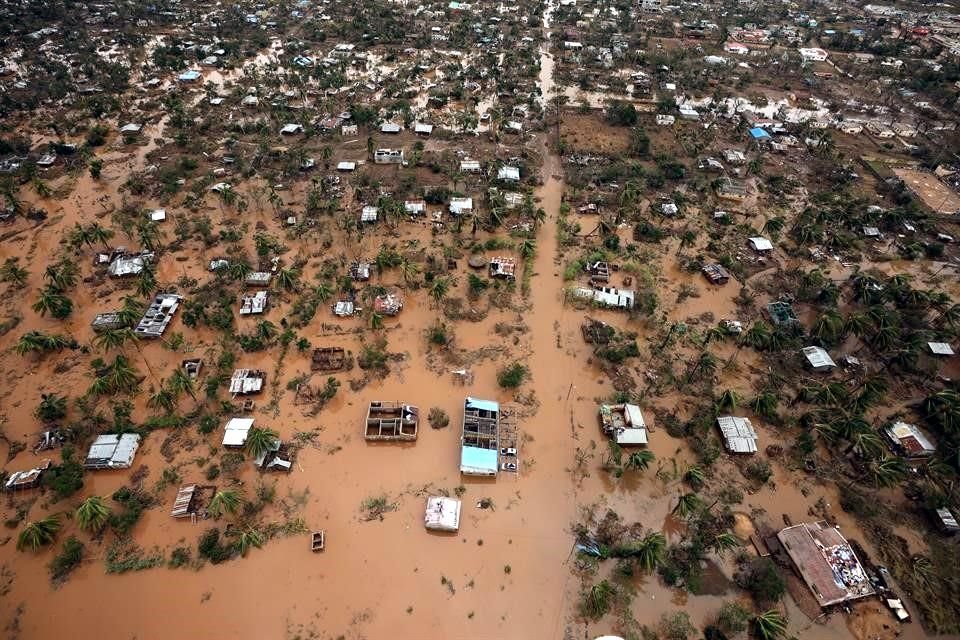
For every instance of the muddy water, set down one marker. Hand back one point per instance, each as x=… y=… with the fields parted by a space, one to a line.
x=383 y=578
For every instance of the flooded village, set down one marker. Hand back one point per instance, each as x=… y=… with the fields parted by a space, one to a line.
x=562 y=319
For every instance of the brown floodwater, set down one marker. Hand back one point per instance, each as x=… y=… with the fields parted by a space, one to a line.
x=506 y=574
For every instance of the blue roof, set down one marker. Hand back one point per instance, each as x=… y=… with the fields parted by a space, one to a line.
x=484 y=405
x=478 y=461
x=759 y=132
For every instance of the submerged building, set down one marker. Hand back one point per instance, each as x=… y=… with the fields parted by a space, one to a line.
x=481 y=432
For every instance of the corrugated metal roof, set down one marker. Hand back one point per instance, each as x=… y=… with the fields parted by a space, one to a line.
x=111 y=451
x=940 y=348
x=738 y=434
x=818 y=358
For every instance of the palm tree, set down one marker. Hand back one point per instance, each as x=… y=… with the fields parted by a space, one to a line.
x=687 y=504
x=539 y=217
x=950 y=317
x=113 y=338
x=687 y=239
x=38 y=533
x=885 y=336
x=757 y=336
x=323 y=291
x=163 y=399
x=723 y=542
x=770 y=625
x=765 y=404
x=63 y=275
x=224 y=501
x=639 y=460
x=715 y=333
x=867 y=443
x=857 y=324
x=52 y=407
x=887 y=471
x=259 y=441
x=288 y=279
x=78 y=236
x=528 y=248
x=250 y=538
x=704 y=366
x=30 y=341
x=122 y=375
x=695 y=477
x=131 y=311
x=98 y=233
x=376 y=321
x=439 y=289
x=267 y=330
x=598 y=599
x=409 y=270
x=92 y=514
x=146 y=282
x=179 y=382
x=773 y=226
x=239 y=269
x=13 y=273
x=649 y=553
x=53 y=301
x=828 y=326
x=39 y=341
x=729 y=400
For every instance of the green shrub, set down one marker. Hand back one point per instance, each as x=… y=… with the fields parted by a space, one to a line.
x=134 y=502
x=512 y=376
x=438 y=418
x=66 y=478
x=67 y=560
x=762 y=579
x=210 y=547
x=180 y=557
x=758 y=470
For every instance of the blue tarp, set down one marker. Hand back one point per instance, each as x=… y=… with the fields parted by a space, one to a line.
x=477 y=461
x=483 y=405
x=759 y=133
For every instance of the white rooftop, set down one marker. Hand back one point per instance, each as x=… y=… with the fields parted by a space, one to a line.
x=940 y=348
x=760 y=244
x=460 y=205
x=738 y=434
x=818 y=357
x=112 y=451
x=235 y=432
x=442 y=514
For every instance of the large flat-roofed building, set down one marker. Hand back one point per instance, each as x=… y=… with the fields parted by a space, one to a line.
x=481 y=430
x=826 y=562
x=158 y=315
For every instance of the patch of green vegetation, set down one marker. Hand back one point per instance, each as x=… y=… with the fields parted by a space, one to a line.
x=69 y=558
x=124 y=555
x=512 y=376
